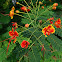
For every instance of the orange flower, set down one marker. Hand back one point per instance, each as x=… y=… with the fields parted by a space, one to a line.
x=13 y=35
x=15 y=25
x=50 y=20
x=25 y=44
x=57 y=23
x=24 y=9
x=13 y=8
x=11 y=14
x=48 y=30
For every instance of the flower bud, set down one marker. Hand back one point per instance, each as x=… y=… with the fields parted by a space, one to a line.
x=42 y=7
x=17 y=11
x=17 y=2
x=26 y=25
x=54 y=8
x=55 y=4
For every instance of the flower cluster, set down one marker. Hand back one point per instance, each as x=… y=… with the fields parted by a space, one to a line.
x=48 y=30
x=13 y=34
x=57 y=23
x=23 y=8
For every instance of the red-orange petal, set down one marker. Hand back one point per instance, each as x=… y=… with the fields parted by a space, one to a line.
x=25 y=44
x=16 y=33
x=23 y=8
x=14 y=40
x=11 y=33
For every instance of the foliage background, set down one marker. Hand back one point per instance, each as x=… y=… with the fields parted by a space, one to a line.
x=16 y=53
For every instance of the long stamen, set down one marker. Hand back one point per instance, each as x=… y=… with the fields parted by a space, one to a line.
x=8 y=46
x=14 y=40
x=5 y=14
x=21 y=16
x=5 y=39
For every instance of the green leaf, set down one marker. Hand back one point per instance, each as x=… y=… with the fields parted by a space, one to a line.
x=2 y=54
x=34 y=55
x=4 y=50
x=0 y=26
x=20 y=39
x=4 y=19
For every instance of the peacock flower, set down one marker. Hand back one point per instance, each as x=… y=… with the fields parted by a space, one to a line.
x=50 y=20
x=15 y=25
x=48 y=30
x=11 y=14
x=13 y=35
x=25 y=44
x=51 y=29
x=13 y=8
x=24 y=9
x=57 y=23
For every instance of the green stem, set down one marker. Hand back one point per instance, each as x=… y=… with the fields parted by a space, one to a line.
x=21 y=16
x=25 y=13
x=33 y=6
x=21 y=58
